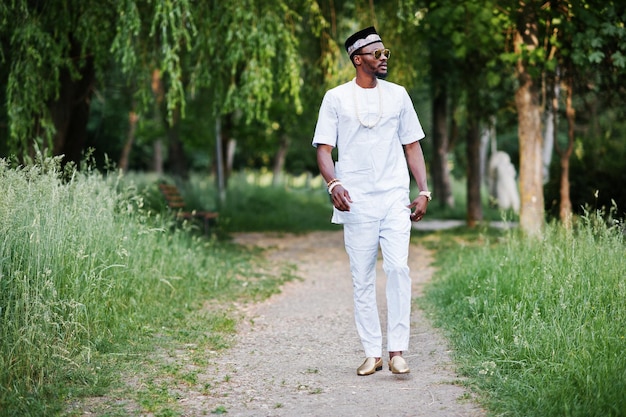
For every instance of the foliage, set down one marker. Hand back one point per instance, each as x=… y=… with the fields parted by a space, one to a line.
x=198 y=46
x=597 y=164
x=270 y=76
x=87 y=272
x=42 y=40
x=538 y=325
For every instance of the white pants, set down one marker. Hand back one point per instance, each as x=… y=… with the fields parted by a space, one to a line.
x=361 y=241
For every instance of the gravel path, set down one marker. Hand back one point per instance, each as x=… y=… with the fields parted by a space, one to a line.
x=296 y=354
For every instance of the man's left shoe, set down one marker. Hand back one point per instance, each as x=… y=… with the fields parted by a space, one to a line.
x=397 y=365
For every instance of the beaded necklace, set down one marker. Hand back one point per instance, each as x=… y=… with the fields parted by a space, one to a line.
x=356 y=106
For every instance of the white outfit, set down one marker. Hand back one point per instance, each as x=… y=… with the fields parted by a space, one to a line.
x=369 y=127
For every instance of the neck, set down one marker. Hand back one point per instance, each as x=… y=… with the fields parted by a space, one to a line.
x=366 y=81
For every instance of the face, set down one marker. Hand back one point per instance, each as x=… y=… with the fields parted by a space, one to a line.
x=370 y=64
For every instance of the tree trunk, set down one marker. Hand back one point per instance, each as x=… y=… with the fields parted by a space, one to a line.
x=231 y=148
x=158 y=90
x=219 y=163
x=225 y=138
x=442 y=190
x=474 y=203
x=552 y=119
x=529 y=130
x=487 y=143
x=157 y=157
x=70 y=111
x=565 y=206
x=176 y=153
x=133 y=118
x=279 y=159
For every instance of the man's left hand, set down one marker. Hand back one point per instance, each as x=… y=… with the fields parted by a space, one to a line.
x=419 y=206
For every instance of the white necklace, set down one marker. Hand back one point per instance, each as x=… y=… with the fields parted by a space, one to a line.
x=356 y=106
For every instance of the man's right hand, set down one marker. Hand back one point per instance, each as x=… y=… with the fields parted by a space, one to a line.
x=341 y=198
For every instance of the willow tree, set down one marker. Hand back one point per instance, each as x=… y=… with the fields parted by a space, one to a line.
x=55 y=53
x=247 y=58
x=431 y=51
x=243 y=54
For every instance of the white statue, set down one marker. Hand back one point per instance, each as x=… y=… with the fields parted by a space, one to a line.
x=502 y=181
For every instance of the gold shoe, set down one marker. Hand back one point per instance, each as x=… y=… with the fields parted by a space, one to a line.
x=397 y=365
x=370 y=366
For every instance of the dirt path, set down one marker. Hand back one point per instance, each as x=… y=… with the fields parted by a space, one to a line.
x=296 y=354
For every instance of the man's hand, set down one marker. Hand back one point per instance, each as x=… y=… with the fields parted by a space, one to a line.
x=420 y=204
x=341 y=198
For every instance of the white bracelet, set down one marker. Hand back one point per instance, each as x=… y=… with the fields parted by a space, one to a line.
x=426 y=194
x=333 y=185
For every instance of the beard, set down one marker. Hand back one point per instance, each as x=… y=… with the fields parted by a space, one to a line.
x=380 y=74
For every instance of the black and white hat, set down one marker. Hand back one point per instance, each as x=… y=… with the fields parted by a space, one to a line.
x=360 y=39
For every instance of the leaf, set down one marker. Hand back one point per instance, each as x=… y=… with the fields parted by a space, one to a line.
x=619 y=60
x=596 y=57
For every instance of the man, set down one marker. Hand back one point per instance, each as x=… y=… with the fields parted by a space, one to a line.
x=376 y=130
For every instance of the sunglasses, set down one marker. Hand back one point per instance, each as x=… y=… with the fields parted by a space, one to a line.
x=377 y=53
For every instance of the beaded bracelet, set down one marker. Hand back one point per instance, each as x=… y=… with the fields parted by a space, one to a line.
x=333 y=185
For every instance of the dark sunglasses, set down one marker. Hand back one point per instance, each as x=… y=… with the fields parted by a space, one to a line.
x=377 y=53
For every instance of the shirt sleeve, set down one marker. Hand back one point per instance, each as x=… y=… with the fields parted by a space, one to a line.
x=410 y=129
x=327 y=122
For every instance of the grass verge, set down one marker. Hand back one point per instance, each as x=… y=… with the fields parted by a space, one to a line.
x=538 y=325
x=92 y=284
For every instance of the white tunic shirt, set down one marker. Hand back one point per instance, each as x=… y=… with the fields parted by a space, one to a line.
x=369 y=126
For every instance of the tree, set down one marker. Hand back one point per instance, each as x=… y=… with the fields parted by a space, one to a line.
x=464 y=43
x=242 y=54
x=590 y=49
x=580 y=43
x=442 y=61
x=56 y=51
x=527 y=101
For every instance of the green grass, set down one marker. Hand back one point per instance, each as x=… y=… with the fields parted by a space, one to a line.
x=538 y=325
x=252 y=202
x=98 y=281
x=297 y=205
x=92 y=282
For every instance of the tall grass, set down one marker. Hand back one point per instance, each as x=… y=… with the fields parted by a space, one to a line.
x=540 y=325
x=85 y=271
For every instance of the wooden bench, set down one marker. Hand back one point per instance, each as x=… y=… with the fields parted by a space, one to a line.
x=176 y=202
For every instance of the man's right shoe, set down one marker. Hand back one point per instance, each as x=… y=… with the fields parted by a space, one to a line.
x=397 y=365
x=370 y=366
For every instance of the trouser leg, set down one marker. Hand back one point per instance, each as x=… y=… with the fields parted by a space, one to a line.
x=395 y=235
x=361 y=242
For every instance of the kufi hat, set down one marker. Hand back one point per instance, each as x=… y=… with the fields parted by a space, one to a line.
x=360 y=39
